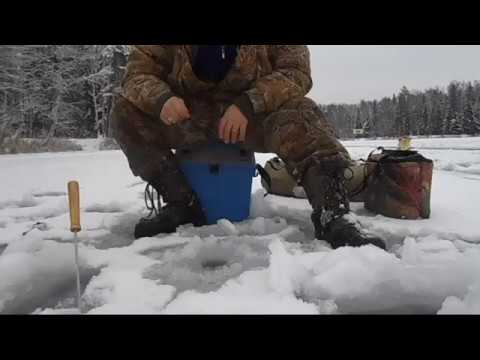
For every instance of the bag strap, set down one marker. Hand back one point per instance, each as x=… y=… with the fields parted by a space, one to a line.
x=265 y=176
x=366 y=175
x=363 y=184
x=276 y=163
x=369 y=158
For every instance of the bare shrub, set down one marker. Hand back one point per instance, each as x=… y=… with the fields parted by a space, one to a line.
x=12 y=145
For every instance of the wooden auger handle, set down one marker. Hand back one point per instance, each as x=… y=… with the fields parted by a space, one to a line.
x=74 y=201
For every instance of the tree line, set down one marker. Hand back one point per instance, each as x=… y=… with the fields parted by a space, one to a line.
x=435 y=111
x=58 y=90
x=51 y=91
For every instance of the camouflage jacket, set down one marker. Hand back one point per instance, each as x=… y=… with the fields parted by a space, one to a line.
x=262 y=79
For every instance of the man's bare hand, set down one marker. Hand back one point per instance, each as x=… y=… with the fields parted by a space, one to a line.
x=174 y=111
x=233 y=126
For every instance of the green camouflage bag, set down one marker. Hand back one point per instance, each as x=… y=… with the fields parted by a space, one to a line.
x=276 y=180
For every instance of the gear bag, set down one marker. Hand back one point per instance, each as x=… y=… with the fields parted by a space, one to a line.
x=399 y=185
x=276 y=180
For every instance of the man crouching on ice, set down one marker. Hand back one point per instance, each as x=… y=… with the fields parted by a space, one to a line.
x=180 y=95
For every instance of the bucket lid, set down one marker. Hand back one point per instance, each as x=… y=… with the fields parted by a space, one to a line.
x=216 y=153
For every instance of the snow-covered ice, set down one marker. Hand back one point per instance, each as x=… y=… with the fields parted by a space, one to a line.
x=268 y=264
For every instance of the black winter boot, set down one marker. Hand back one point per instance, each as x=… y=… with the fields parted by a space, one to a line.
x=324 y=183
x=182 y=204
x=170 y=217
x=342 y=232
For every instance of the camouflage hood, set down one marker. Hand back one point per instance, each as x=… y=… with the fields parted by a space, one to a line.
x=260 y=81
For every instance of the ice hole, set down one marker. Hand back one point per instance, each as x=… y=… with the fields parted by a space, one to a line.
x=206 y=264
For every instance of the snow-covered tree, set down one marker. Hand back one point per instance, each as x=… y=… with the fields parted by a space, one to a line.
x=430 y=112
x=476 y=125
x=402 y=116
x=450 y=120
x=367 y=128
x=456 y=126
x=57 y=89
x=11 y=92
x=476 y=118
x=374 y=120
x=425 y=126
x=468 y=110
x=107 y=64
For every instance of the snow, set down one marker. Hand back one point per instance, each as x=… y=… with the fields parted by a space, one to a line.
x=469 y=305
x=268 y=264
x=88 y=144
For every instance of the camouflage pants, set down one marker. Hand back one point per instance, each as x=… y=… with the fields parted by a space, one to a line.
x=298 y=133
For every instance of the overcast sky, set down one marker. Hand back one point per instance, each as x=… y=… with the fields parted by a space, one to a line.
x=350 y=73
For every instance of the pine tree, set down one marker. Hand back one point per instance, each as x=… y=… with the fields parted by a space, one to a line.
x=457 y=127
x=374 y=121
x=447 y=125
x=367 y=128
x=425 y=127
x=468 y=119
x=407 y=121
x=436 y=121
x=11 y=91
x=468 y=110
x=476 y=125
x=402 y=122
x=450 y=120
x=453 y=91
x=358 y=121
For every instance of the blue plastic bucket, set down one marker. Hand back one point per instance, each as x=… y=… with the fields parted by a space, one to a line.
x=221 y=175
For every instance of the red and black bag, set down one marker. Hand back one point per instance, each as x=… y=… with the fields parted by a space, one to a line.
x=399 y=184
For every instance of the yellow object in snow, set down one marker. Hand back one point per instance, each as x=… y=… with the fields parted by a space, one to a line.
x=405 y=143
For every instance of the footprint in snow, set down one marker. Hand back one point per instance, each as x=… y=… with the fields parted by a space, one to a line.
x=50 y=194
x=112 y=207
